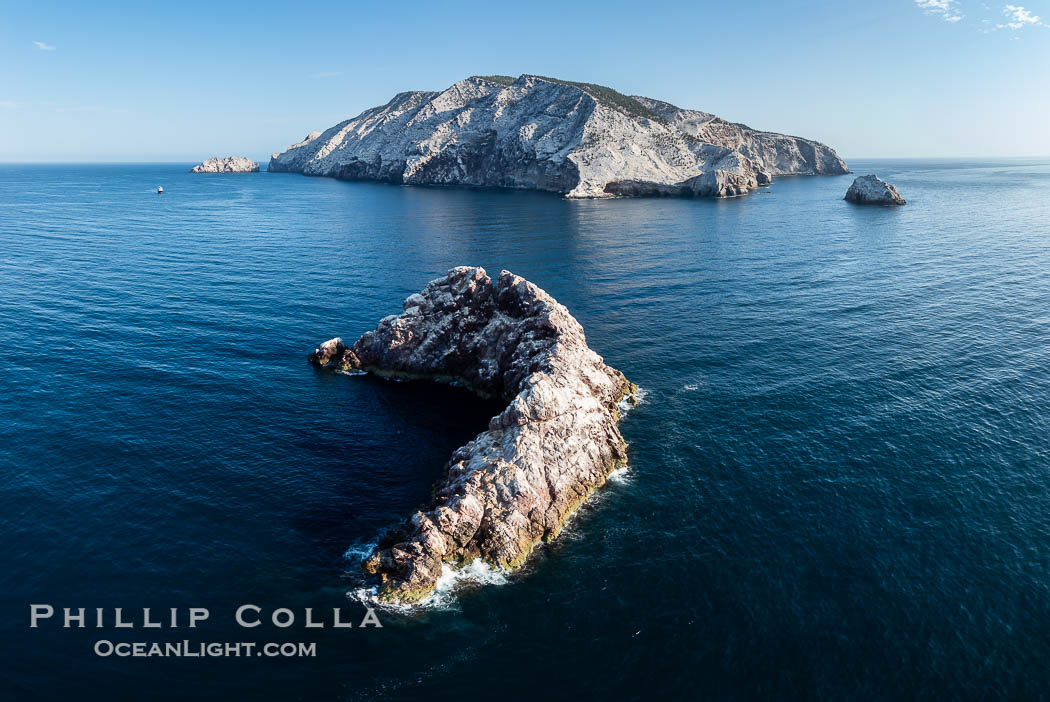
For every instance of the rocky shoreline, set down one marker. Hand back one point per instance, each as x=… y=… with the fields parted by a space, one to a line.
x=517 y=483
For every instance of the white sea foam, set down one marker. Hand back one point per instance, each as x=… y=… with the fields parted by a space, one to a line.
x=358 y=552
x=690 y=386
x=453 y=579
x=352 y=372
x=450 y=582
x=477 y=572
x=625 y=406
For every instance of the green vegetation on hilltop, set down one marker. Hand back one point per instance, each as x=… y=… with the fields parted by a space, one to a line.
x=606 y=96
x=502 y=80
x=612 y=98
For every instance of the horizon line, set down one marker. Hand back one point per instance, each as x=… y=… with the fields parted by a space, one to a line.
x=58 y=162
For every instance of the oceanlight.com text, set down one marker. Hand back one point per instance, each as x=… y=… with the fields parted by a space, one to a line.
x=200 y=649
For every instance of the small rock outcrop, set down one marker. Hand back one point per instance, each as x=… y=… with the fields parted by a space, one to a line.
x=233 y=164
x=872 y=190
x=533 y=132
x=516 y=483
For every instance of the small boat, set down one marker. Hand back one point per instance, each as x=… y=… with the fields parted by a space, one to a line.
x=160 y=189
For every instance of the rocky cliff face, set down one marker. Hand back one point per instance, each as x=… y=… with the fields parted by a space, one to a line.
x=517 y=482
x=777 y=154
x=233 y=164
x=578 y=139
x=872 y=190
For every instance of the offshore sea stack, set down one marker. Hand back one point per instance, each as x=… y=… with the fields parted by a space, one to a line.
x=233 y=164
x=518 y=482
x=872 y=190
x=578 y=139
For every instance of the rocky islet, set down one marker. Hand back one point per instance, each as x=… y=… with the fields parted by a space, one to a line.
x=516 y=483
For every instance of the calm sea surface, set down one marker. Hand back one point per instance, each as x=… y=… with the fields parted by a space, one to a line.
x=839 y=482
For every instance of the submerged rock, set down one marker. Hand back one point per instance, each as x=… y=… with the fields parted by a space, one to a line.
x=578 y=139
x=872 y=190
x=517 y=482
x=233 y=164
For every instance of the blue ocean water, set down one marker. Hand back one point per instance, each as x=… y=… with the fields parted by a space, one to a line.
x=839 y=476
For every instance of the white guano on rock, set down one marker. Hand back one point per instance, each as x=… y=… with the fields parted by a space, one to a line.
x=518 y=481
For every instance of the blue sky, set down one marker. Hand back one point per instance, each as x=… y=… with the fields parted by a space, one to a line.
x=182 y=81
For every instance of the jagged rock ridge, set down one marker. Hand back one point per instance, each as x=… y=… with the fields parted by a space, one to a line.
x=517 y=482
x=533 y=132
x=232 y=164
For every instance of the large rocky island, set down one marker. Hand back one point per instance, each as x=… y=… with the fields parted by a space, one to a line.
x=517 y=482
x=578 y=139
x=232 y=164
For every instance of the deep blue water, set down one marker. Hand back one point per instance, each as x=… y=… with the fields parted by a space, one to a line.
x=839 y=482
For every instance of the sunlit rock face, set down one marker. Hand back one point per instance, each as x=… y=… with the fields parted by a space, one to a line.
x=577 y=139
x=233 y=164
x=872 y=190
x=517 y=482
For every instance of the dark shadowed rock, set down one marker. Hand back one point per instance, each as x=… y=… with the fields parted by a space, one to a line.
x=517 y=482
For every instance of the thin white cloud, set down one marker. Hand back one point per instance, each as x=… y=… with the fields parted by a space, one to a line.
x=948 y=10
x=328 y=74
x=9 y=105
x=42 y=46
x=1018 y=18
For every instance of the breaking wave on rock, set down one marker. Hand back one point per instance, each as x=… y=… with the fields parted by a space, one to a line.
x=450 y=583
x=631 y=401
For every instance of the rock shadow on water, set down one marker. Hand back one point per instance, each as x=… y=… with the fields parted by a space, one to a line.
x=382 y=450
x=517 y=483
